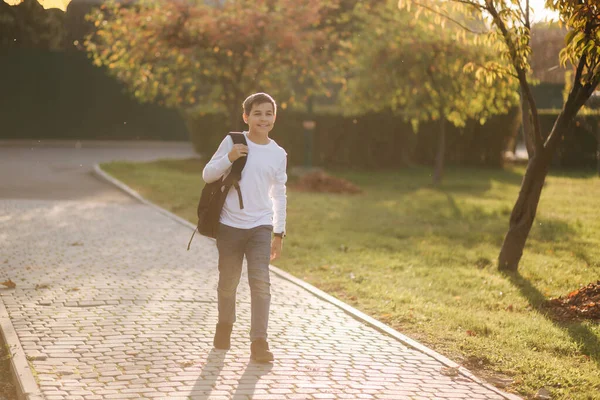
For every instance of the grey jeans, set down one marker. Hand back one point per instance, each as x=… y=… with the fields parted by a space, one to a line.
x=255 y=244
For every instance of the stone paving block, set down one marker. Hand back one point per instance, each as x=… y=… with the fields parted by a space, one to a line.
x=129 y=315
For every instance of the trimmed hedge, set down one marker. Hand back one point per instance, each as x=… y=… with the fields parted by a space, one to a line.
x=370 y=141
x=385 y=141
x=61 y=95
x=579 y=149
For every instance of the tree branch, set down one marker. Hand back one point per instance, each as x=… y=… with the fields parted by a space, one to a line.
x=449 y=18
x=579 y=72
x=525 y=14
x=498 y=70
x=521 y=74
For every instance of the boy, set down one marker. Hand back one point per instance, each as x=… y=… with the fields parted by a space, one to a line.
x=247 y=231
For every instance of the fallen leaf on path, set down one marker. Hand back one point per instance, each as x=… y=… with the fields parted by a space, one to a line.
x=9 y=284
x=186 y=364
x=42 y=286
x=449 y=371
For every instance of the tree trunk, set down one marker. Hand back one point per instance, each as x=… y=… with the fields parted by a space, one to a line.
x=439 y=157
x=527 y=128
x=598 y=150
x=523 y=213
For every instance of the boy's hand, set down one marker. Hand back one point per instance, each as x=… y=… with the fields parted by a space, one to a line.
x=238 y=150
x=276 y=247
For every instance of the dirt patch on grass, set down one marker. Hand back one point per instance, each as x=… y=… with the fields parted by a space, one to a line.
x=322 y=182
x=583 y=303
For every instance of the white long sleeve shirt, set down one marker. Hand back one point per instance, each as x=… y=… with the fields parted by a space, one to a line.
x=262 y=185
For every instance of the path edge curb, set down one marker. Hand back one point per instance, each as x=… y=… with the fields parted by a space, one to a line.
x=358 y=315
x=22 y=377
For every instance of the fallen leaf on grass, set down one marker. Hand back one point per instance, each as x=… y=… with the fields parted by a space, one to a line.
x=471 y=333
x=500 y=382
x=581 y=303
x=9 y=284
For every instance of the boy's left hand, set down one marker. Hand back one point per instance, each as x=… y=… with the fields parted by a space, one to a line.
x=276 y=247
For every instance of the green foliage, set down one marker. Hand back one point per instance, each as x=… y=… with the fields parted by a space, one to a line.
x=424 y=69
x=511 y=29
x=511 y=42
x=583 y=39
x=211 y=56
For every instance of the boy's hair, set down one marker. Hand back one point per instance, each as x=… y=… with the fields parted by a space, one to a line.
x=258 y=98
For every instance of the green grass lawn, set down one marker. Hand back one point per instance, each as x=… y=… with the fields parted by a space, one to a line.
x=422 y=260
x=7 y=389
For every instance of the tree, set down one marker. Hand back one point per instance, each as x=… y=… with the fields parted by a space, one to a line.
x=28 y=24
x=418 y=70
x=211 y=55
x=510 y=21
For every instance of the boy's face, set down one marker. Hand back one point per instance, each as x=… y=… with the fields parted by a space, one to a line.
x=261 y=118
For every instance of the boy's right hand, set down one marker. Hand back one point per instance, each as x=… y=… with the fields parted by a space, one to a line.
x=238 y=150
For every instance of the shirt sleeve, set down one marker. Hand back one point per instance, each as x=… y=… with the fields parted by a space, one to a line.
x=278 y=194
x=219 y=163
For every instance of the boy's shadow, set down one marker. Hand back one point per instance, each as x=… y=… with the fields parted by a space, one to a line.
x=247 y=382
x=215 y=360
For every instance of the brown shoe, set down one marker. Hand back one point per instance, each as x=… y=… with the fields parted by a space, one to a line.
x=222 y=339
x=259 y=351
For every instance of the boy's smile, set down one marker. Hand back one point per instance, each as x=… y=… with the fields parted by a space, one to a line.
x=261 y=119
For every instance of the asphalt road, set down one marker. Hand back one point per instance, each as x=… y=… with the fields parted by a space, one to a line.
x=63 y=170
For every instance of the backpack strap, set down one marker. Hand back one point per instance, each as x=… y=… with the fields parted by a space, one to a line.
x=232 y=179
x=238 y=165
